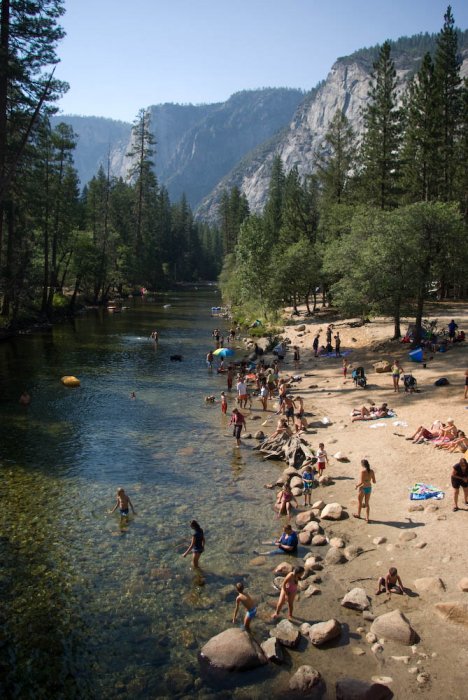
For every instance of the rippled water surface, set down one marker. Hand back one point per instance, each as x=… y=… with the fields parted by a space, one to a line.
x=91 y=609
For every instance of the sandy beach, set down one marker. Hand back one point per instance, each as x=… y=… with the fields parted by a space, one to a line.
x=437 y=547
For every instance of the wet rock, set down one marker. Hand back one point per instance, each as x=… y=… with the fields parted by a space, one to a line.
x=379 y=540
x=178 y=680
x=278 y=582
x=310 y=591
x=334 y=556
x=233 y=650
x=332 y=511
x=258 y=561
x=259 y=435
x=272 y=650
x=463 y=584
x=284 y=568
x=406 y=536
x=161 y=574
x=304 y=679
x=247 y=436
x=394 y=626
x=286 y=634
x=303 y=518
x=319 y=540
x=353 y=689
x=453 y=611
x=337 y=542
x=356 y=599
x=352 y=551
x=323 y=632
x=429 y=584
x=305 y=537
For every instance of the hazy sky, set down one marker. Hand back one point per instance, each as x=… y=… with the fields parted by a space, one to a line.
x=119 y=56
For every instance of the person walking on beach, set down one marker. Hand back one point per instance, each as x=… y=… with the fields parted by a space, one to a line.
x=238 y=421
x=197 y=544
x=452 y=328
x=289 y=591
x=367 y=478
x=459 y=480
x=249 y=604
x=337 y=344
x=345 y=368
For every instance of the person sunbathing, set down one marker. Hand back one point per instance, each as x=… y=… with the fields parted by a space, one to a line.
x=372 y=413
x=460 y=443
x=443 y=432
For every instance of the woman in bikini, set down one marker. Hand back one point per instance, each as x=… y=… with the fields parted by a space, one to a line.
x=289 y=591
x=365 y=488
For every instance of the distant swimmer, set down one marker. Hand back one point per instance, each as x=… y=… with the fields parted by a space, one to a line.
x=155 y=337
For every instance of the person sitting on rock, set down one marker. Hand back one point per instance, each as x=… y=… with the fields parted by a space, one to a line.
x=391 y=583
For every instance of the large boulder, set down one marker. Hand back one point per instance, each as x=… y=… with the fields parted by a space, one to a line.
x=356 y=599
x=303 y=518
x=319 y=540
x=233 y=650
x=286 y=634
x=429 y=584
x=273 y=650
x=304 y=679
x=395 y=627
x=332 y=511
x=323 y=632
x=284 y=568
x=453 y=611
x=305 y=537
x=353 y=689
x=312 y=564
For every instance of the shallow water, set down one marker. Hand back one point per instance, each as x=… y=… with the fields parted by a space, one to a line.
x=93 y=609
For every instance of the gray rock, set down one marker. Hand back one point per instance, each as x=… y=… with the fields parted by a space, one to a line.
x=407 y=535
x=273 y=650
x=356 y=599
x=284 y=568
x=310 y=591
x=429 y=584
x=319 y=540
x=303 y=518
x=247 y=436
x=311 y=564
x=318 y=505
x=394 y=626
x=305 y=537
x=334 y=556
x=353 y=689
x=352 y=551
x=304 y=679
x=286 y=634
x=312 y=527
x=332 y=511
x=296 y=491
x=233 y=650
x=259 y=435
x=296 y=481
x=377 y=648
x=323 y=632
x=338 y=543
x=371 y=638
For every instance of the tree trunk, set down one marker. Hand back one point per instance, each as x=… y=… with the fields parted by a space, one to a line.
x=397 y=320
x=419 y=316
x=8 y=271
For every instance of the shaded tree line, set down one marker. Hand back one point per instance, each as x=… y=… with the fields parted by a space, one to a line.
x=381 y=224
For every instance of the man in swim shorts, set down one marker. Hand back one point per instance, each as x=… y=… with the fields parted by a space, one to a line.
x=238 y=421
x=249 y=604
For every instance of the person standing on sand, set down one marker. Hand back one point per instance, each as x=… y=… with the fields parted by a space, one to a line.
x=197 y=544
x=345 y=368
x=397 y=370
x=367 y=478
x=238 y=421
x=459 y=480
x=315 y=344
x=289 y=591
x=337 y=344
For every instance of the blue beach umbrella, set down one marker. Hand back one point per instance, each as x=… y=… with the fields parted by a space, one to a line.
x=223 y=352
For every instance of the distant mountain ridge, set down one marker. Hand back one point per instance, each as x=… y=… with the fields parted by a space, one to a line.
x=202 y=150
x=196 y=145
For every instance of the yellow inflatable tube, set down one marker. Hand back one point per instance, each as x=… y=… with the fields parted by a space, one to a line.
x=70 y=381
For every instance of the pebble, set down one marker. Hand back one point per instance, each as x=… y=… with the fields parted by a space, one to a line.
x=420 y=545
x=447 y=559
x=379 y=540
x=371 y=637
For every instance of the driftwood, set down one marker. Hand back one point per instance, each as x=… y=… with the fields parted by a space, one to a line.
x=294 y=450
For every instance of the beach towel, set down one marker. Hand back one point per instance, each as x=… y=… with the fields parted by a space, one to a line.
x=421 y=492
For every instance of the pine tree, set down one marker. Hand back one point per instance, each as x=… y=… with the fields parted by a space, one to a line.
x=381 y=141
x=447 y=78
x=420 y=167
x=336 y=160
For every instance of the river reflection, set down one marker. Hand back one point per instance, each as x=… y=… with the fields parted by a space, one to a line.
x=90 y=608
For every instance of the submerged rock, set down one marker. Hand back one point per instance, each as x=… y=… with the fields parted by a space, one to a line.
x=233 y=650
x=286 y=634
x=353 y=689
x=272 y=650
x=304 y=679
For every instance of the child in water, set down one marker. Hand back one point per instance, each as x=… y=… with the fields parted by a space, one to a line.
x=224 y=403
x=122 y=503
x=249 y=605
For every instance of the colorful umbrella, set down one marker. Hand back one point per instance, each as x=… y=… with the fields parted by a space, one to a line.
x=223 y=352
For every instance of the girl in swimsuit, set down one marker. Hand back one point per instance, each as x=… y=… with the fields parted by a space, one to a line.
x=365 y=488
x=283 y=502
x=289 y=591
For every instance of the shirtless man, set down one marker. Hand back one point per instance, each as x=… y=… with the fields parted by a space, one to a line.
x=288 y=406
x=248 y=603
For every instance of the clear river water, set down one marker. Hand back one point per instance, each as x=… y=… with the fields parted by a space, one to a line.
x=91 y=609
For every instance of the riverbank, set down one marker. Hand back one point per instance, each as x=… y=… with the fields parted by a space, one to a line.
x=423 y=543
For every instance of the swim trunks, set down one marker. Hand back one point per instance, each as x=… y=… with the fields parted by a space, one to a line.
x=123 y=511
x=366 y=489
x=237 y=431
x=251 y=613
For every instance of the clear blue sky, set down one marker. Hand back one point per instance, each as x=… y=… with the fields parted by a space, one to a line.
x=119 y=56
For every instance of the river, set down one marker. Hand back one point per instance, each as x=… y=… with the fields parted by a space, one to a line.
x=92 y=609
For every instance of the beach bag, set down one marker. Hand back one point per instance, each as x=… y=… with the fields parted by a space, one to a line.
x=443 y=381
